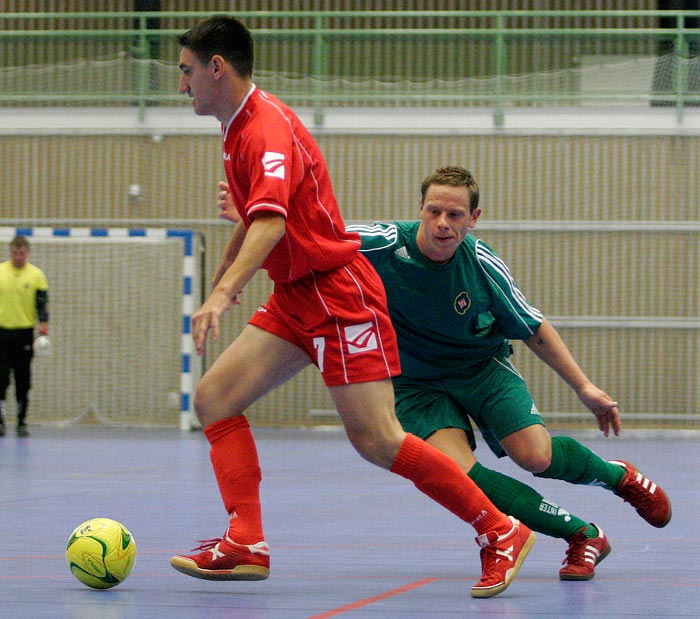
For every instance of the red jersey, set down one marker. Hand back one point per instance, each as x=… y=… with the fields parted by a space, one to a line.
x=273 y=165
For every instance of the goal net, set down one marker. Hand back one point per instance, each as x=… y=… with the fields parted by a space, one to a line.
x=119 y=303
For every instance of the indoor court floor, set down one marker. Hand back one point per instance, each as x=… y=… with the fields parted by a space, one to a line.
x=348 y=539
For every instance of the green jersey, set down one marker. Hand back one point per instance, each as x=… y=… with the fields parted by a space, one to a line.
x=448 y=317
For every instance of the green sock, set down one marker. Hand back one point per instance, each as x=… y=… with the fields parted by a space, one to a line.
x=577 y=464
x=527 y=505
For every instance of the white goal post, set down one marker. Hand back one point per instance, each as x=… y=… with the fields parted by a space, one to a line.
x=120 y=302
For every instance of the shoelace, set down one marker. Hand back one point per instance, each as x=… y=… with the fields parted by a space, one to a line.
x=636 y=493
x=207 y=544
x=576 y=552
x=490 y=559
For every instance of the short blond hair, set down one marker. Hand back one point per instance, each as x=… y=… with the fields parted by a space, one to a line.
x=453 y=176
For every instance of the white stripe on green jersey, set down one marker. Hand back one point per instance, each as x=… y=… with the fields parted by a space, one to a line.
x=486 y=256
x=450 y=316
x=378 y=230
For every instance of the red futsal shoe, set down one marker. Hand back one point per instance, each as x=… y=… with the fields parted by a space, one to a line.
x=644 y=495
x=584 y=554
x=501 y=558
x=224 y=559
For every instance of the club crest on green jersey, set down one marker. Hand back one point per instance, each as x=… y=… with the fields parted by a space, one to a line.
x=462 y=303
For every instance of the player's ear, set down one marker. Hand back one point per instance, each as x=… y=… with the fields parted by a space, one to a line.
x=218 y=65
x=474 y=216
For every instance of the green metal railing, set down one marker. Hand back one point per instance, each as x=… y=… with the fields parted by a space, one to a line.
x=369 y=58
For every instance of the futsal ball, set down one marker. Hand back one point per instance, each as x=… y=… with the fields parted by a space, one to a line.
x=101 y=553
x=42 y=346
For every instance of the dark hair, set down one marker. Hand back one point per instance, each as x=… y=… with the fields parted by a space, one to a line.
x=223 y=35
x=19 y=242
x=453 y=176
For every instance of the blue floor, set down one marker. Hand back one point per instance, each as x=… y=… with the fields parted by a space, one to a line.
x=348 y=540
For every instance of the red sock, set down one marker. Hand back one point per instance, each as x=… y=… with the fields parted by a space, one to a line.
x=237 y=468
x=438 y=476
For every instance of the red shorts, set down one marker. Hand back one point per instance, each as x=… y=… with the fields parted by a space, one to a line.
x=340 y=319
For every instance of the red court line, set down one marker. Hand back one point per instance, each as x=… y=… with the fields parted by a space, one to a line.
x=373 y=599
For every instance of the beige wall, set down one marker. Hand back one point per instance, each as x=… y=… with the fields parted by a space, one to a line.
x=589 y=179
x=604 y=178
x=47 y=179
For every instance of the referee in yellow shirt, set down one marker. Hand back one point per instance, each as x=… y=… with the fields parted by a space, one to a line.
x=23 y=304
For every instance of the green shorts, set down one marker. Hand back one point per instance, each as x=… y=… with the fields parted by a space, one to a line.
x=494 y=396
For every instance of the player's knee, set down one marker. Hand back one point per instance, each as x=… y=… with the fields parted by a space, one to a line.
x=530 y=448
x=208 y=404
x=534 y=457
x=377 y=448
x=200 y=404
x=535 y=461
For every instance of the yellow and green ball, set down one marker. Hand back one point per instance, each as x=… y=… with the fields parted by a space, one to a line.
x=100 y=553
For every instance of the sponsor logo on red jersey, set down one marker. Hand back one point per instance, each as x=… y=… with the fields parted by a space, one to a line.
x=361 y=338
x=273 y=164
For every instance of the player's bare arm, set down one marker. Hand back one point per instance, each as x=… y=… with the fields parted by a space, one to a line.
x=230 y=253
x=260 y=239
x=548 y=346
